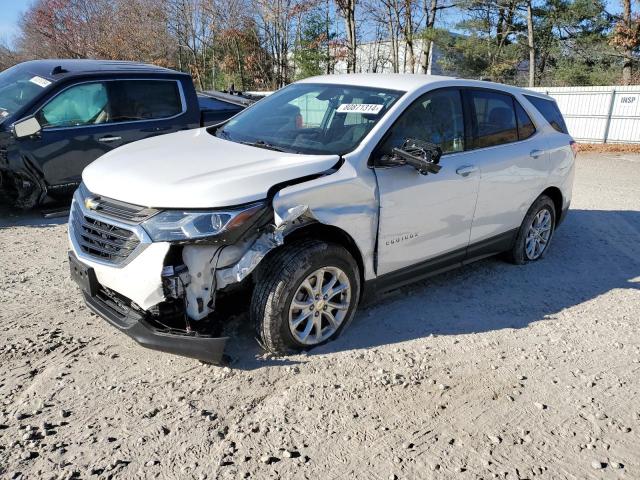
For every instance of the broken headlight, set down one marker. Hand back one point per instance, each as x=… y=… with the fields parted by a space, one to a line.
x=177 y=225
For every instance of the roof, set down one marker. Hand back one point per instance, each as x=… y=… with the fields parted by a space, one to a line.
x=406 y=82
x=392 y=81
x=67 y=68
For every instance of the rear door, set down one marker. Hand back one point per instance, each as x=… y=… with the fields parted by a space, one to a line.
x=142 y=108
x=512 y=160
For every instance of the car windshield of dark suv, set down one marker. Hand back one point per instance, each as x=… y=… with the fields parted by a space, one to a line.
x=17 y=88
x=310 y=118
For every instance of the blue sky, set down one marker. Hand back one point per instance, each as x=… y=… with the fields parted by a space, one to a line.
x=10 y=12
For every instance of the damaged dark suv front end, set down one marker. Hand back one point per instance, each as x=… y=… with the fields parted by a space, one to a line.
x=174 y=266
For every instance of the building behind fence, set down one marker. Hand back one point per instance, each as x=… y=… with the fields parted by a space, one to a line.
x=599 y=114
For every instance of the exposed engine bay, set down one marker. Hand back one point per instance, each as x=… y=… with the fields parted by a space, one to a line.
x=202 y=281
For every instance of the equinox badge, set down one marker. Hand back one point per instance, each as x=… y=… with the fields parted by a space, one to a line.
x=401 y=238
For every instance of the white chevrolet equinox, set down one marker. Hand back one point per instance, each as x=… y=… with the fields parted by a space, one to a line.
x=313 y=199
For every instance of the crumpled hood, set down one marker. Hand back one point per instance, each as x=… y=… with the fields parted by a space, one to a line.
x=194 y=169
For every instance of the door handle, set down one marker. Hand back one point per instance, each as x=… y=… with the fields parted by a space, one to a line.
x=536 y=153
x=156 y=129
x=109 y=139
x=466 y=170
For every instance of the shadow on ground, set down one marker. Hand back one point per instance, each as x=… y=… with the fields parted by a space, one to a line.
x=593 y=252
x=12 y=217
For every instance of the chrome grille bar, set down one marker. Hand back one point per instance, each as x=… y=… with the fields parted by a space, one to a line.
x=99 y=239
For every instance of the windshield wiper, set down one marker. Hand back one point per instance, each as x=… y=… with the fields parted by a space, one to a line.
x=265 y=145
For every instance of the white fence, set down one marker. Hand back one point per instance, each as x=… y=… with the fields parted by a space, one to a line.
x=599 y=114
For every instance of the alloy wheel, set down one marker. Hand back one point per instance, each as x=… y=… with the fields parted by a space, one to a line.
x=538 y=235
x=320 y=305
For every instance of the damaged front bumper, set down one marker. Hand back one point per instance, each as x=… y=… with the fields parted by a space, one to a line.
x=172 y=297
x=139 y=326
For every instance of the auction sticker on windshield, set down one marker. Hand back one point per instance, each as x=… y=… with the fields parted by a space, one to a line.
x=41 y=82
x=360 y=108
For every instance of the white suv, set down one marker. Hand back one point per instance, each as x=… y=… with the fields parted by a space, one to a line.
x=324 y=193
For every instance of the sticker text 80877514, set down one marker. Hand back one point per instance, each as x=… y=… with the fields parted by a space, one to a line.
x=373 y=108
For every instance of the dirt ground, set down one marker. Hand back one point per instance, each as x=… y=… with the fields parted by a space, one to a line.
x=491 y=371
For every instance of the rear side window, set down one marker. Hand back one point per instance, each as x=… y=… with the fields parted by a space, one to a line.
x=494 y=119
x=550 y=111
x=144 y=100
x=526 y=128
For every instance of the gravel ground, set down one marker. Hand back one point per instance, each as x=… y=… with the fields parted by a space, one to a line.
x=491 y=371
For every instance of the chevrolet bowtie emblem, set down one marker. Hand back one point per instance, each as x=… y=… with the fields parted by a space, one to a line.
x=91 y=203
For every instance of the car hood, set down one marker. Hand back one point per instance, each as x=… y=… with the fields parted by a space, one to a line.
x=194 y=169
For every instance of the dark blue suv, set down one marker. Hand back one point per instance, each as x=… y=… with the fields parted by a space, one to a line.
x=57 y=116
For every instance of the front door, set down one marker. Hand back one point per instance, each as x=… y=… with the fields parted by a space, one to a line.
x=72 y=124
x=424 y=217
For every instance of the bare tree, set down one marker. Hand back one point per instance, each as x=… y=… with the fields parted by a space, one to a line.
x=626 y=38
x=192 y=26
x=387 y=15
x=430 y=10
x=408 y=30
x=348 y=11
x=8 y=55
x=85 y=29
x=531 y=45
x=278 y=22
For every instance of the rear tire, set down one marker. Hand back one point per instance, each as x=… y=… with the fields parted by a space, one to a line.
x=305 y=295
x=535 y=233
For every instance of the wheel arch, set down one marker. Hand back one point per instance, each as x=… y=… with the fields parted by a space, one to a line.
x=329 y=233
x=555 y=194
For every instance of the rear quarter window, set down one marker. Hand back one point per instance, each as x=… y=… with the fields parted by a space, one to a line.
x=526 y=128
x=550 y=111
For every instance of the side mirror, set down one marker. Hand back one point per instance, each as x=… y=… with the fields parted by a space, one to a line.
x=421 y=155
x=26 y=127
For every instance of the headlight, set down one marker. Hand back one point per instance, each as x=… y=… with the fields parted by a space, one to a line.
x=175 y=225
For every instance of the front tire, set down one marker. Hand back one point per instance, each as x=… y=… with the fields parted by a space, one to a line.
x=535 y=233
x=305 y=295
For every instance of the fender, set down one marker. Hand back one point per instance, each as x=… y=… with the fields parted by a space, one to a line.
x=345 y=199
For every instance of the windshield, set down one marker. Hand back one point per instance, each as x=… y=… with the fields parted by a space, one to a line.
x=17 y=88
x=311 y=118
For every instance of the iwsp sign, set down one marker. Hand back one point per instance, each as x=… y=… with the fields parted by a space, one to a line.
x=628 y=100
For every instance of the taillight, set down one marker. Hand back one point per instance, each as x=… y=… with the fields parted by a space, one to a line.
x=575 y=147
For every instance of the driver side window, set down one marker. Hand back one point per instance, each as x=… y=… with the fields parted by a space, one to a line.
x=85 y=104
x=436 y=117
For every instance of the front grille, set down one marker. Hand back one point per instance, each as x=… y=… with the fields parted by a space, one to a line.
x=116 y=209
x=102 y=240
x=123 y=211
